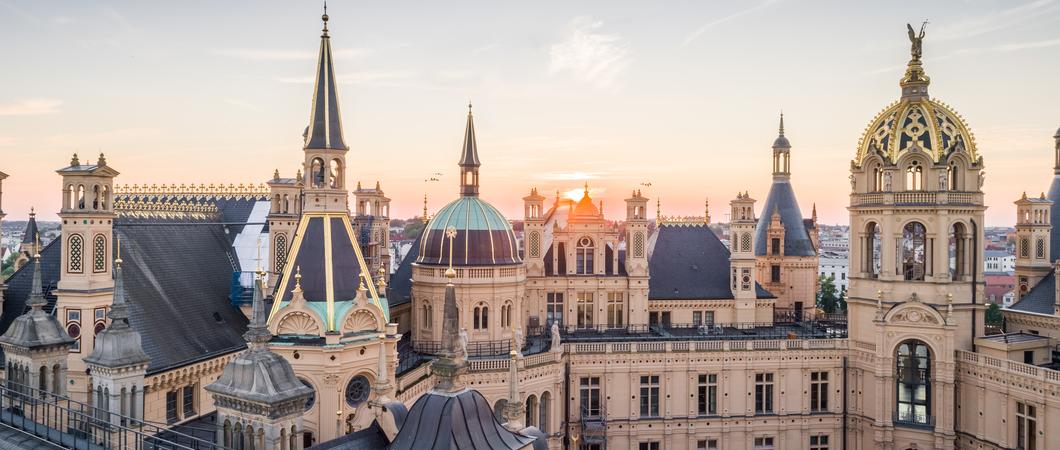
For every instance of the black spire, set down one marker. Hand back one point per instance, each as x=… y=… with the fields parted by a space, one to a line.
x=325 y=122
x=469 y=162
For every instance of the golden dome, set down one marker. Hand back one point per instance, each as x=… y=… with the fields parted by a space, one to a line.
x=926 y=122
x=916 y=120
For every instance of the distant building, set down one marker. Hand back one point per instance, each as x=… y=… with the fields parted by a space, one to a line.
x=999 y=261
x=837 y=267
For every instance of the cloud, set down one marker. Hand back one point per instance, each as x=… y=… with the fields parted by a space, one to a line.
x=991 y=22
x=570 y=176
x=707 y=26
x=252 y=54
x=30 y=107
x=1001 y=48
x=589 y=55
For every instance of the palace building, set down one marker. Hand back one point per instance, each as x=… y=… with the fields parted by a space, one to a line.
x=265 y=316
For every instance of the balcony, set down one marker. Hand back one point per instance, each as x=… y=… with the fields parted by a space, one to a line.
x=917 y=198
x=913 y=420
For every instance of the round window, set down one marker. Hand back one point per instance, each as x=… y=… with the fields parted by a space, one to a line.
x=74 y=330
x=357 y=391
x=312 y=396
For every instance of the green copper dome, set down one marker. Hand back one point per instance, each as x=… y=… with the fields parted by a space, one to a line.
x=483 y=235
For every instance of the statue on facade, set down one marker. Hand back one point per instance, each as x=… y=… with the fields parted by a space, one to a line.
x=853 y=182
x=916 y=41
x=943 y=180
x=518 y=341
x=982 y=178
x=555 y=337
x=887 y=181
x=461 y=351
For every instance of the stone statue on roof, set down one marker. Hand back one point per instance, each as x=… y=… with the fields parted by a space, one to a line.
x=555 y=337
x=916 y=40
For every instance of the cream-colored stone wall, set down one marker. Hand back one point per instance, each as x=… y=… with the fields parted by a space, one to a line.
x=493 y=287
x=197 y=375
x=798 y=279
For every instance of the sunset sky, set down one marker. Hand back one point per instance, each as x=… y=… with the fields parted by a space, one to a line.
x=682 y=95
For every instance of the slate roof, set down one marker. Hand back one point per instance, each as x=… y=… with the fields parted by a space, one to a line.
x=178 y=279
x=371 y=438
x=1041 y=297
x=30 y=235
x=399 y=291
x=462 y=420
x=690 y=263
x=1054 y=215
x=325 y=122
x=483 y=236
x=796 y=239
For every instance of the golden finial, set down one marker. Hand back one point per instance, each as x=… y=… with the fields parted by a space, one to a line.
x=451 y=234
x=298 y=278
x=117 y=251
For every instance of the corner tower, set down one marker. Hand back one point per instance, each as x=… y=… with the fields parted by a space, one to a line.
x=785 y=250
x=1032 y=242
x=742 y=258
x=916 y=198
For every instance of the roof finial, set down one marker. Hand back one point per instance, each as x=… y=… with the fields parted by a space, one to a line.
x=36 y=294
x=325 y=18
x=586 y=188
x=424 y=207
x=782 y=122
x=469 y=106
x=74 y=161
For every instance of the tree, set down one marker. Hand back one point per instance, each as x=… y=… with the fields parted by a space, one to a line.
x=8 y=266
x=827 y=297
x=413 y=228
x=993 y=315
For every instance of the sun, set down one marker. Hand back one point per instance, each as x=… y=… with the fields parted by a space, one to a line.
x=574 y=194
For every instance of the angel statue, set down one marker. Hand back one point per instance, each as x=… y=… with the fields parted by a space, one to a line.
x=916 y=40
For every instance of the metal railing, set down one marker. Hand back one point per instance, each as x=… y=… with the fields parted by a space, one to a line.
x=72 y=424
x=474 y=349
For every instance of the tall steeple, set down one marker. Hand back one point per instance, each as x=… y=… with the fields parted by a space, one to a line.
x=781 y=153
x=469 y=162
x=452 y=363
x=325 y=124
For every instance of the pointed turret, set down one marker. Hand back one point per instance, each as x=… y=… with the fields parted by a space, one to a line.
x=118 y=345
x=325 y=122
x=469 y=162
x=781 y=141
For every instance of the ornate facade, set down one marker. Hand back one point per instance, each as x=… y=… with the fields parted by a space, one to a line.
x=587 y=333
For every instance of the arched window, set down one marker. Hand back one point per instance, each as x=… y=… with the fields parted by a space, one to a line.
x=317 y=177
x=1039 y=249
x=745 y=242
x=57 y=385
x=286 y=205
x=228 y=433
x=1025 y=248
x=99 y=254
x=954 y=177
x=76 y=254
x=95 y=196
x=543 y=415
x=531 y=411
x=584 y=253
x=104 y=200
x=281 y=251
x=336 y=174
x=481 y=317
x=957 y=252
x=877 y=178
x=914 y=251
x=294 y=437
x=80 y=196
x=913 y=361
x=914 y=176
x=250 y=440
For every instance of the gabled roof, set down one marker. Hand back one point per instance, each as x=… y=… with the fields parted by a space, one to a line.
x=689 y=262
x=796 y=240
x=1040 y=298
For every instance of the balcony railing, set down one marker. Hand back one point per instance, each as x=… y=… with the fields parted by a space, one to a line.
x=72 y=424
x=913 y=420
x=911 y=198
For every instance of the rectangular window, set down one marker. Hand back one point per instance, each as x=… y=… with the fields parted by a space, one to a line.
x=189 y=401
x=708 y=394
x=818 y=391
x=649 y=446
x=774 y=273
x=585 y=310
x=707 y=444
x=819 y=442
x=649 y=396
x=590 y=396
x=1026 y=427
x=764 y=393
x=554 y=309
x=775 y=246
x=708 y=318
x=616 y=307
x=101 y=314
x=764 y=443
x=73 y=315
x=171 y=407
x=697 y=318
